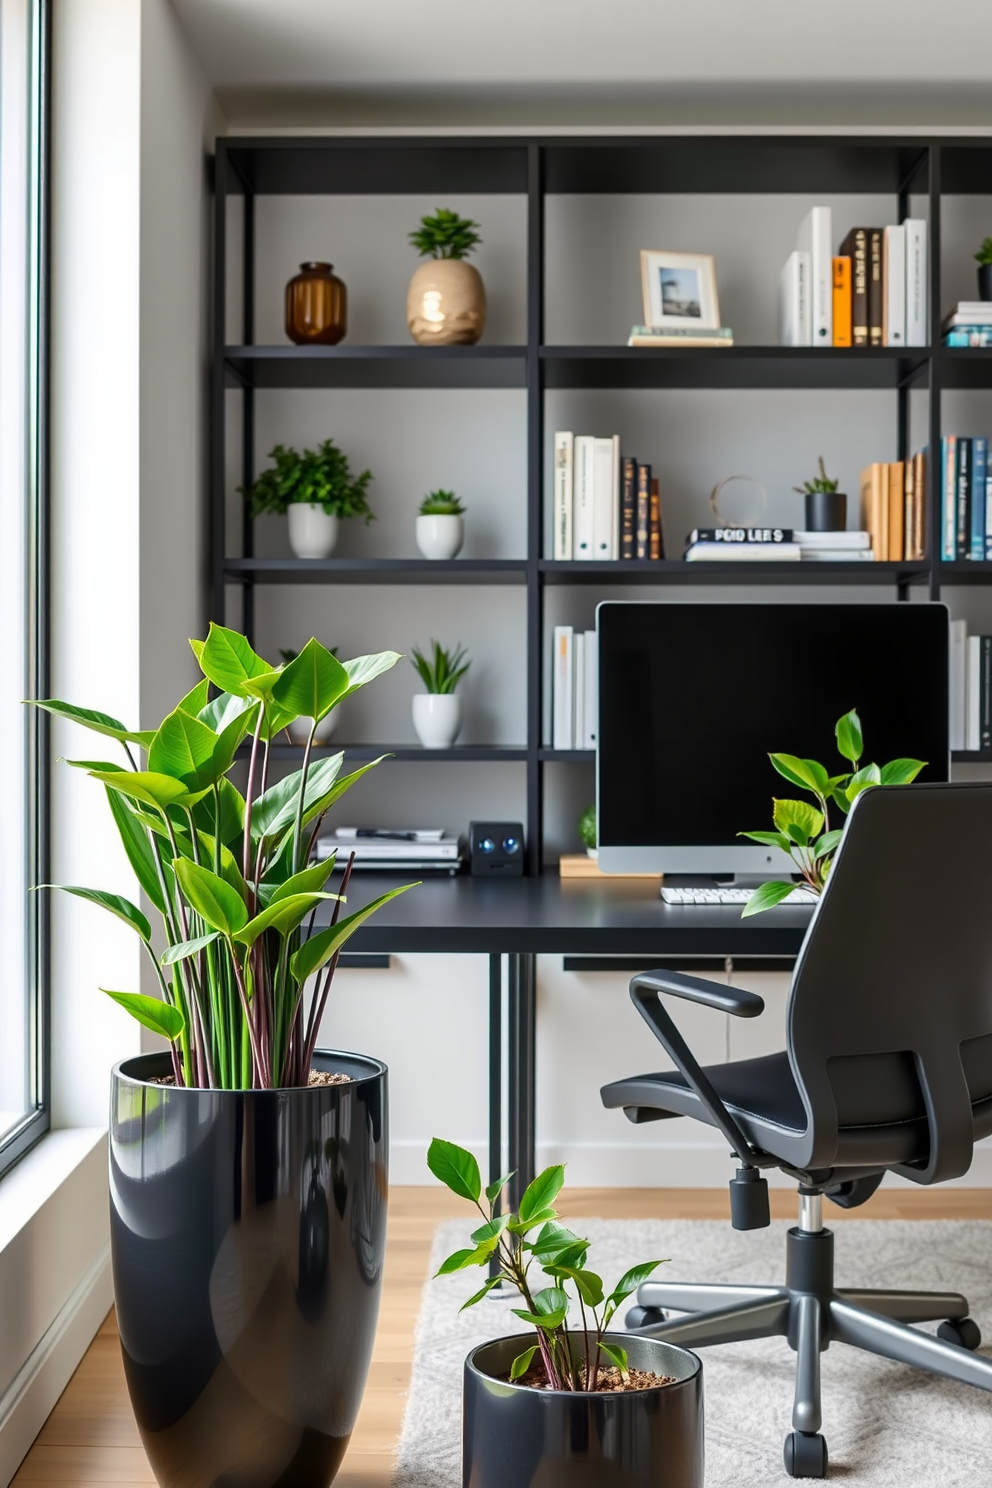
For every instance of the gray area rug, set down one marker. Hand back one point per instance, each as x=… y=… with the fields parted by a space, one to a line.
x=886 y=1426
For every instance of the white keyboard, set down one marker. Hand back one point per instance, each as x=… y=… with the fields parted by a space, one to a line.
x=799 y=895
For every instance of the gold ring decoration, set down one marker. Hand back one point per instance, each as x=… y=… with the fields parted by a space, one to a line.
x=754 y=521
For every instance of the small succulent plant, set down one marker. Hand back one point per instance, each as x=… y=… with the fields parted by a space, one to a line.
x=821 y=482
x=445 y=235
x=441 y=504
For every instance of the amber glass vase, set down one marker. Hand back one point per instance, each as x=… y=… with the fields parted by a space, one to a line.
x=316 y=306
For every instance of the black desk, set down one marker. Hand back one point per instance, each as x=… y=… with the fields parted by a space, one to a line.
x=575 y=918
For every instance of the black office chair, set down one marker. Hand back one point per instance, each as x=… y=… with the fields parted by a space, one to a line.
x=888 y=1067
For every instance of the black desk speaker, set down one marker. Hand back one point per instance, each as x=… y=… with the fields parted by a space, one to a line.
x=496 y=849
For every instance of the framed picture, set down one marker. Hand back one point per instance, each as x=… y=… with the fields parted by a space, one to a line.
x=679 y=290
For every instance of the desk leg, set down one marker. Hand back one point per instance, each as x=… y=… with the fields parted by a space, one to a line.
x=521 y=1073
x=495 y=1068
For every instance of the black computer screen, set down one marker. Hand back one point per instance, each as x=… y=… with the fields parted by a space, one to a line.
x=693 y=697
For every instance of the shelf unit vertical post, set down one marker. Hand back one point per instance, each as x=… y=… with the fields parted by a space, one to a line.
x=248 y=410
x=934 y=381
x=217 y=381
x=535 y=522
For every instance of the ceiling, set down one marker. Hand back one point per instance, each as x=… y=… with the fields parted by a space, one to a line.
x=544 y=62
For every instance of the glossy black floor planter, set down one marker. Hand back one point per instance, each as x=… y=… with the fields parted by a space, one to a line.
x=517 y=1437
x=248 y=1231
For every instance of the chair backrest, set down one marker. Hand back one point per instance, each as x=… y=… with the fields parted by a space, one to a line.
x=890 y=1012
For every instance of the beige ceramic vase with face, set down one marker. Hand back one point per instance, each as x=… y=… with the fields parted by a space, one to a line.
x=446 y=303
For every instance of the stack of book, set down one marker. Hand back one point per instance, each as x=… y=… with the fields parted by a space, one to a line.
x=872 y=293
x=605 y=507
x=675 y=336
x=971 y=689
x=383 y=849
x=893 y=508
x=965 y=499
x=776 y=545
x=968 y=324
x=574 y=689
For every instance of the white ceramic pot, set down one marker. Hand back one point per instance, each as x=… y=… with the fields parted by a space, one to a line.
x=299 y=729
x=440 y=537
x=437 y=717
x=313 y=533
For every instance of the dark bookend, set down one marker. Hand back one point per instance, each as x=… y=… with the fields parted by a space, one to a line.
x=855 y=247
x=876 y=249
x=628 y=506
x=643 y=510
x=979 y=462
x=897 y=477
x=656 y=535
x=962 y=528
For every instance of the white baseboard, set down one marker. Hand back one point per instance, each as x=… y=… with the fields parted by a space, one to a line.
x=27 y=1403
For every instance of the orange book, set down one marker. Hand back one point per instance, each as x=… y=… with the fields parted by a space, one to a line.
x=896 y=511
x=842 y=301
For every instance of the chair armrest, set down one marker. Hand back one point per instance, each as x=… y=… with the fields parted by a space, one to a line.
x=645 y=990
x=698 y=989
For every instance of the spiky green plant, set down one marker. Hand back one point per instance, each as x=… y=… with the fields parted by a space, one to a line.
x=445 y=235
x=820 y=483
x=441 y=504
x=443 y=670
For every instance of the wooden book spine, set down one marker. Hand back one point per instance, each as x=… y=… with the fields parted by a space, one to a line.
x=855 y=247
x=656 y=539
x=643 y=511
x=876 y=287
x=628 y=507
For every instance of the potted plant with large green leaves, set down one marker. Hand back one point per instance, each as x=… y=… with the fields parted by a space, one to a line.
x=247 y=1166
x=562 y=1406
x=314 y=490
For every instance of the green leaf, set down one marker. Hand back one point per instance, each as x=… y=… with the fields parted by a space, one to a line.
x=98 y=723
x=137 y=847
x=548 y=1323
x=311 y=683
x=196 y=699
x=766 y=897
x=315 y=808
x=521 y=1226
x=490 y=1231
x=214 y=900
x=826 y=844
x=590 y=1286
x=284 y=916
x=364 y=669
x=224 y=709
x=798 y=820
x=541 y=1193
x=160 y=1017
x=850 y=743
x=901 y=771
x=188 y=948
x=769 y=839
x=483 y=1291
x=550 y=1300
x=802 y=772
x=145 y=785
x=616 y=1355
x=232 y=814
x=863 y=780
x=274 y=811
x=573 y=1256
x=228 y=660
x=183 y=748
x=631 y=1280
x=318 y=950
x=553 y=1239
x=309 y=881
x=462 y=1259
x=521 y=1363
x=115 y=903
x=493 y=1190
x=456 y=1168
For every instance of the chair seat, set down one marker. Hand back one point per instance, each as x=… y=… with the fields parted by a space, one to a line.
x=763 y=1097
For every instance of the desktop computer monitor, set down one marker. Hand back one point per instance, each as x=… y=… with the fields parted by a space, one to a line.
x=693 y=697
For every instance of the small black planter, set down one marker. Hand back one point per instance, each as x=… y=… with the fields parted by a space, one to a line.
x=985 y=281
x=514 y=1436
x=247 y=1230
x=826 y=511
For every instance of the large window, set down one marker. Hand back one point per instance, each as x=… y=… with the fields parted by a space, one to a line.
x=23 y=763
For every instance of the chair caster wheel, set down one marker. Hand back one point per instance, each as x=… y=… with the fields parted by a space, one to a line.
x=965 y=1332
x=645 y=1317
x=805 y=1455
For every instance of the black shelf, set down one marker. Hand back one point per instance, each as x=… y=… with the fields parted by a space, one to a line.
x=759 y=367
x=295 y=166
x=964 y=572
x=676 y=571
x=567 y=756
x=376 y=570
x=971 y=756
x=963 y=367
x=375 y=366
x=406 y=753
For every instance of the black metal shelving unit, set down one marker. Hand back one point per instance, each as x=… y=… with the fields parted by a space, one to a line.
x=535 y=168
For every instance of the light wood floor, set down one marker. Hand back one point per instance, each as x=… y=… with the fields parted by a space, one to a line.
x=91 y=1439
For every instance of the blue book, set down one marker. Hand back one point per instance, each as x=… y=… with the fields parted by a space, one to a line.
x=979 y=462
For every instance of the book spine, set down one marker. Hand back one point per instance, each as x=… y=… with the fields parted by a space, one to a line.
x=804 y=315
x=979 y=462
x=842 y=301
x=788 y=302
x=562 y=691
x=591 y=729
x=985 y=710
x=643 y=510
x=916 y=282
x=855 y=247
x=628 y=507
x=656 y=543
x=742 y=534
x=958 y=670
x=602 y=519
x=922 y=505
x=876 y=249
x=894 y=276
x=868 y=517
x=815 y=234
x=579 y=689
x=564 y=449
x=897 y=475
x=584 y=487
x=962 y=535
x=988 y=514
x=908 y=508
x=973 y=694
x=948 y=496
x=615 y=498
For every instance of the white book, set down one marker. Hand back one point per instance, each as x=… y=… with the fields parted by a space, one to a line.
x=973 y=695
x=743 y=552
x=959 y=647
x=563 y=705
x=604 y=483
x=616 y=495
x=969 y=312
x=564 y=450
x=411 y=834
x=579 y=689
x=988 y=517
x=815 y=237
x=832 y=539
x=917 y=330
x=590 y=733
x=837 y=555
x=894 y=287
x=793 y=284
x=583 y=496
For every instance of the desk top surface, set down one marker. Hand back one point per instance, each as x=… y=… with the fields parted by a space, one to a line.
x=571 y=917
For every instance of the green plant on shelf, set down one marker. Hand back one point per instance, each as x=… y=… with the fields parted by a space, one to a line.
x=532 y=1237
x=230 y=874
x=441 y=504
x=445 y=235
x=321 y=477
x=984 y=254
x=587 y=828
x=803 y=831
x=819 y=483
x=442 y=671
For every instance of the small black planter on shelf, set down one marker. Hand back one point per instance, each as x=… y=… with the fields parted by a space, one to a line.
x=826 y=511
x=985 y=281
x=514 y=1434
x=248 y=1232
